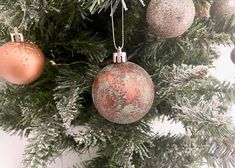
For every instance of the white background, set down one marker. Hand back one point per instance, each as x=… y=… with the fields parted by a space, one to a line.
x=11 y=147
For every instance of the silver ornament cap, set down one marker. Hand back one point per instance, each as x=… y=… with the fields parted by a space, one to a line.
x=16 y=36
x=119 y=56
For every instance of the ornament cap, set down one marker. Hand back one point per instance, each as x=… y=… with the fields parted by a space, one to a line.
x=119 y=56
x=16 y=36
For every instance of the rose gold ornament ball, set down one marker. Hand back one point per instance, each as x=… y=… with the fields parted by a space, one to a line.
x=21 y=62
x=222 y=8
x=123 y=93
x=203 y=11
x=168 y=19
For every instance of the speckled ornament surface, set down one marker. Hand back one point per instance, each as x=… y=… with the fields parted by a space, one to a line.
x=21 y=62
x=233 y=55
x=203 y=11
x=222 y=8
x=123 y=93
x=168 y=19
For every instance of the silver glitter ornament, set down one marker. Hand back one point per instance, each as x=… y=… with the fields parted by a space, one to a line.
x=233 y=55
x=168 y=19
x=223 y=9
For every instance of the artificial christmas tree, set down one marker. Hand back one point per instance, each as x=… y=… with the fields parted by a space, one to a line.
x=76 y=39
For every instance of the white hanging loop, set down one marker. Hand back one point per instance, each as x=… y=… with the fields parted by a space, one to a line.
x=113 y=28
x=124 y=5
x=119 y=56
x=142 y=2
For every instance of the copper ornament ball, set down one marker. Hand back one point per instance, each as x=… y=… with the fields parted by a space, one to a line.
x=222 y=9
x=233 y=55
x=203 y=11
x=21 y=62
x=123 y=93
x=168 y=19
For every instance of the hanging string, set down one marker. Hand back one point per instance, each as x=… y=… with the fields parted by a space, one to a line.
x=113 y=28
x=21 y=24
x=142 y=2
x=24 y=9
x=125 y=7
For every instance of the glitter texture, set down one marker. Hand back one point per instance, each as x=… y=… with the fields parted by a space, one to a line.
x=223 y=8
x=21 y=62
x=123 y=93
x=233 y=55
x=168 y=19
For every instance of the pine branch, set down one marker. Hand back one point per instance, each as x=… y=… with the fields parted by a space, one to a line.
x=25 y=107
x=190 y=151
x=182 y=74
x=207 y=31
x=203 y=117
x=100 y=162
x=19 y=13
x=126 y=143
x=91 y=46
x=218 y=154
x=68 y=95
x=194 y=47
x=211 y=87
x=126 y=140
x=179 y=81
x=91 y=73
x=225 y=25
x=46 y=143
x=99 y=5
x=37 y=19
x=173 y=151
x=201 y=3
x=175 y=78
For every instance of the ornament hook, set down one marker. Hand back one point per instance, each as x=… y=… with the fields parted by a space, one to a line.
x=16 y=36
x=119 y=56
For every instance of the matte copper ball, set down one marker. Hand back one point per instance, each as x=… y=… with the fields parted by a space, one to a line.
x=169 y=19
x=21 y=62
x=233 y=55
x=123 y=93
x=223 y=8
x=203 y=11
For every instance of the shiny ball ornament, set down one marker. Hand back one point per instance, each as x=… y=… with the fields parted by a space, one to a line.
x=203 y=11
x=21 y=62
x=233 y=55
x=222 y=9
x=168 y=19
x=123 y=93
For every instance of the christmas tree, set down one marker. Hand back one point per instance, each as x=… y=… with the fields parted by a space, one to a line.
x=56 y=112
